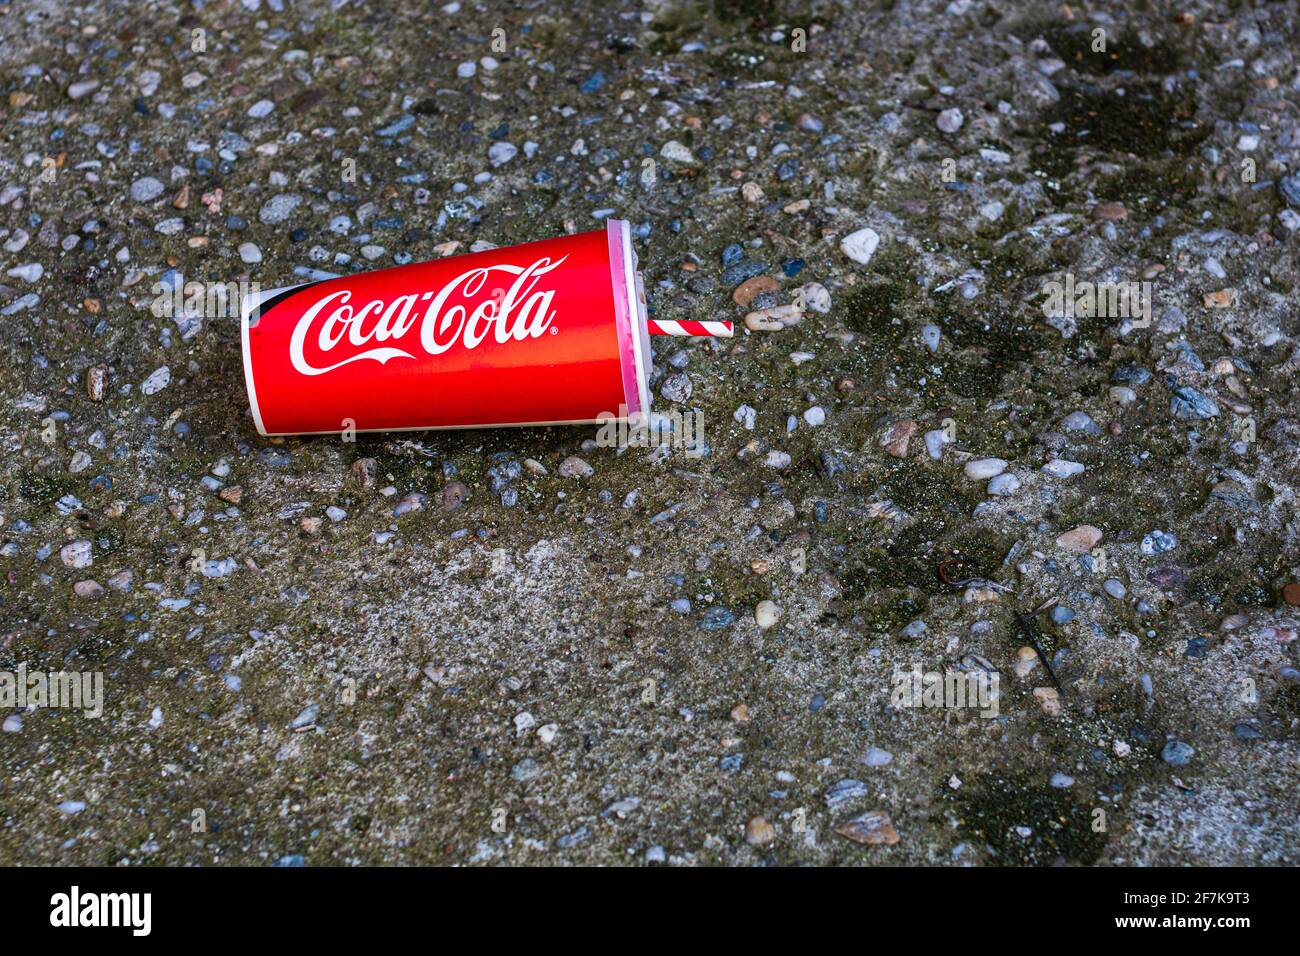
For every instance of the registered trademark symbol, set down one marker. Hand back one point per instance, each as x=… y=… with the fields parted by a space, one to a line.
x=554 y=330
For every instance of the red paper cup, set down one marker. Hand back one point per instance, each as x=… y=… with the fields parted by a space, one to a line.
x=545 y=333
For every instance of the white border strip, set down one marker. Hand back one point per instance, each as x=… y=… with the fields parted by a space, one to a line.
x=637 y=319
x=252 y=302
x=447 y=428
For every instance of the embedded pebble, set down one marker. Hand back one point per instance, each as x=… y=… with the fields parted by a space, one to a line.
x=675 y=151
x=982 y=468
x=1176 y=753
x=1003 y=485
x=278 y=208
x=860 y=246
x=934 y=442
x=575 y=467
x=677 y=388
x=875 y=757
x=766 y=614
x=146 y=189
x=950 y=120
x=758 y=832
x=814 y=296
x=158 y=379
x=1083 y=538
x=930 y=335
x=77 y=554
x=415 y=501
x=1158 y=542
x=28 y=272
x=872 y=829
x=896 y=438
x=1061 y=468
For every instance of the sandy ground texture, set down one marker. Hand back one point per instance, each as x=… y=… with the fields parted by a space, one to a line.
x=521 y=647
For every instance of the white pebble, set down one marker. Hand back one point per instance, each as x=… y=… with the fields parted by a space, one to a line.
x=1061 y=468
x=860 y=246
x=676 y=152
x=982 y=468
x=1006 y=484
x=766 y=614
x=77 y=554
x=950 y=120
x=28 y=272
x=158 y=379
x=930 y=335
x=875 y=757
x=934 y=442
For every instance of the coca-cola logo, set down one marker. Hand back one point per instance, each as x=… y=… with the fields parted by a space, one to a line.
x=516 y=313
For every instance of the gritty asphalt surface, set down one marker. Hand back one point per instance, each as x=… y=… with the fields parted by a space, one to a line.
x=467 y=647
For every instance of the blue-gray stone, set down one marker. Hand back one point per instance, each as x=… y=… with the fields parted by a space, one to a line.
x=397 y=126
x=844 y=791
x=1158 y=542
x=1131 y=375
x=746 y=269
x=1289 y=187
x=1177 y=753
x=1188 y=403
x=1080 y=422
x=716 y=618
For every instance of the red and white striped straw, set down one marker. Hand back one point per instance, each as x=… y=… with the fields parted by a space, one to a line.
x=666 y=327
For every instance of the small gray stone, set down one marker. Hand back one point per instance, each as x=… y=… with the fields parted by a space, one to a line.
x=1080 y=422
x=1188 y=403
x=913 y=630
x=844 y=791
x=860 y=246
x=1158 y=542
x=454 y=495
x=306 y=717
x=1289 y=187
x=677 y=387
x=146 y=189
x=278 y=208
x=501 y=153
x=1003 y=485
x=981 y=468
x=575 y=467
x=875 y=757
x=950 y=120
x=158 y=379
